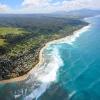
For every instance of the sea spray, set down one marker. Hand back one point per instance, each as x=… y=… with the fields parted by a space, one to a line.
x=47 y=72
x=70 y=39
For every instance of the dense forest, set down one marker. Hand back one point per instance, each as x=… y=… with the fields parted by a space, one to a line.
x=22 y=37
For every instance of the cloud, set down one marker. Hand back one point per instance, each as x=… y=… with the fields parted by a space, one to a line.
x=4 y=8
x=74 y=4
x=35 y=3
x=40 y=5
x=48 y=6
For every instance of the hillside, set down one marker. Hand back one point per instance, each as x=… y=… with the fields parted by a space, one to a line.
x=81 y=13
x=23 y=36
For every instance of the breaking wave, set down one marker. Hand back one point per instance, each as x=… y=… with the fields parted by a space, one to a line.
x=46 y=73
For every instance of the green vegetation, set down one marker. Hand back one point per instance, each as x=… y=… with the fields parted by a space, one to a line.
x=2 y=42
x=9 y=30
x=22 y=37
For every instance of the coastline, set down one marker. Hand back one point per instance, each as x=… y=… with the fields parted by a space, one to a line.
x=68 y=39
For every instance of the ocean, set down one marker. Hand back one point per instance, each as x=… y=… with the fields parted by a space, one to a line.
x=70 y=71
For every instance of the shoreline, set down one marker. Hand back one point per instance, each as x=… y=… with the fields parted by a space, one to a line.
x=67 y=39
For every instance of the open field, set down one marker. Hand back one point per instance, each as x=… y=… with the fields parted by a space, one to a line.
x=2 y=42
x=7 y=33
x=9 y=30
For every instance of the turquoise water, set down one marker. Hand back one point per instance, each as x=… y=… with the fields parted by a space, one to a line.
x=80 y=75
x=77 y=67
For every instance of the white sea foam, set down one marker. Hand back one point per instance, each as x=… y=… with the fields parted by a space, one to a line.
x=70 y=39
x=46 y=71
x=72 y=94
x=37 y=92
x=51 y=68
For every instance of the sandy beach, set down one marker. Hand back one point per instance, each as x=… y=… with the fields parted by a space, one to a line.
x=68 y=39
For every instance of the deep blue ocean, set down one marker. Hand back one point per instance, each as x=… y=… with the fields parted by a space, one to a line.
x=69 y=72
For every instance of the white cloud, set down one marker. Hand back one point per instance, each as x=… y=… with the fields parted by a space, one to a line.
x=4 y=8
x=35 y=3
x=47 y=6
x=77 y=4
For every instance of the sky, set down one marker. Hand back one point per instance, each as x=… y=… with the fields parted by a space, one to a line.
x=46 y=6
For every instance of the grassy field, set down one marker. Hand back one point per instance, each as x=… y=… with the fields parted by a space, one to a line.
x=13 y=32
x=10 y=30
x=2 y=42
